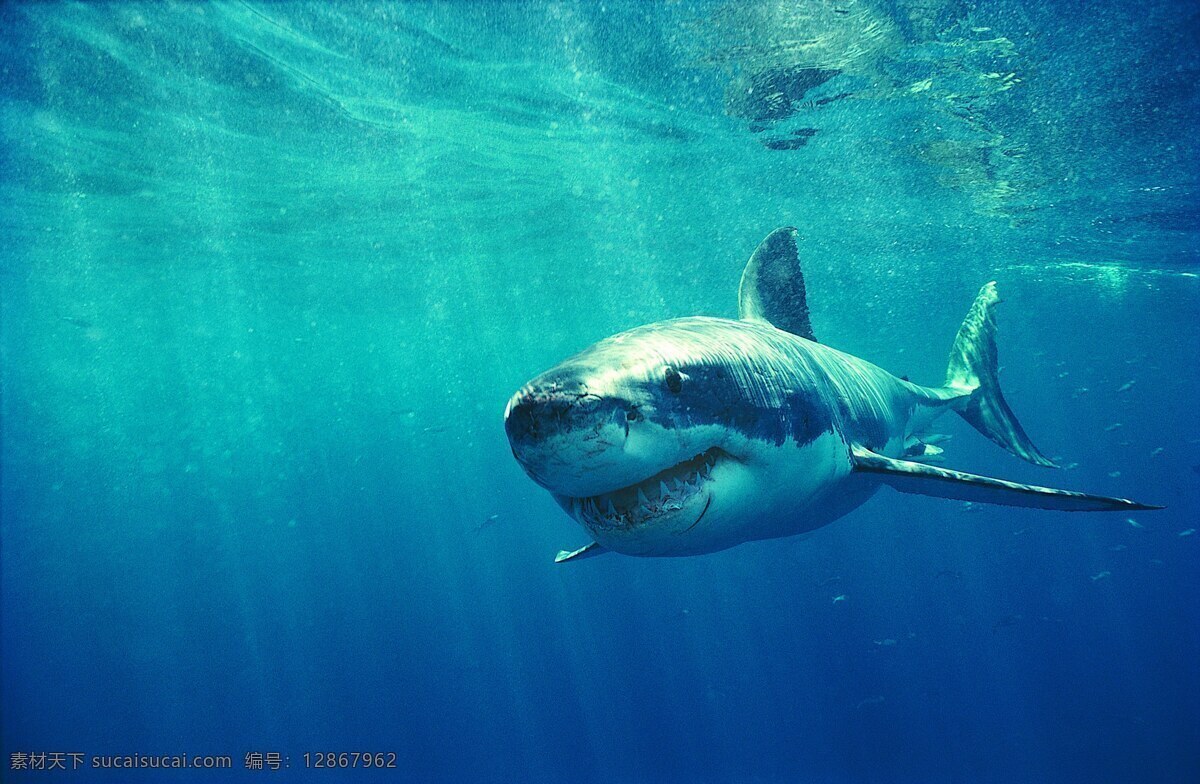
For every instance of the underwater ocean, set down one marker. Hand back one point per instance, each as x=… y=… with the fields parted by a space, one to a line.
x=271 y=271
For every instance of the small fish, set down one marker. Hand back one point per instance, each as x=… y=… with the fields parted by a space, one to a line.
x=1134 y=523
x=950 y=573
x=1156 y=451
x=1070 y=466
x=1113 y=426
x=1101 y=576
x=434 y=429
x=841 y=597
x=870 y=701
x=1128 y=385
x=828 y=580
x=1018 y=533
x=1114 y=474
x=75 y=321
x=1187 y=532
x=488 y=523
x=1116 y=548
x=886 y=643
x=1158 y=562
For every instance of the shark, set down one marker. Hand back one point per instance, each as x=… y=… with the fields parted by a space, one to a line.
x=694 y=435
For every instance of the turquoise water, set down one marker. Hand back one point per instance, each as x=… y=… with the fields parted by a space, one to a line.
x=270 y=272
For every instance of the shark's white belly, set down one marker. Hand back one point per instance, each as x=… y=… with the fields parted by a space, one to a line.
x=770 y=491
x=778 y=491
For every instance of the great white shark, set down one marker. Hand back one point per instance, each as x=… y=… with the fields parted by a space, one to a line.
x=697 y=434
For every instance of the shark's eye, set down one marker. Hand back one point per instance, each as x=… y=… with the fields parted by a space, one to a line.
x=673 y=380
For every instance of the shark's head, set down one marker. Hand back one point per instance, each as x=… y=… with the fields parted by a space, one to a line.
x=661 y=431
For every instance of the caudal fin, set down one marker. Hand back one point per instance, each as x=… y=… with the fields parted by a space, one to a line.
x=973 y=370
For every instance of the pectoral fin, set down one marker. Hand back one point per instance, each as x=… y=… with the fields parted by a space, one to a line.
x=587 y=551
x=909 y=477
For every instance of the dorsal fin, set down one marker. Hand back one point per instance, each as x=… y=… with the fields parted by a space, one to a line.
x=772 y=288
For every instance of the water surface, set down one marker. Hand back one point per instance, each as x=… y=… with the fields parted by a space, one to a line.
x=271 y=270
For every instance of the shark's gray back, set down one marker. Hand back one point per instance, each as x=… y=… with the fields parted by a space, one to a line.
x=766 y=383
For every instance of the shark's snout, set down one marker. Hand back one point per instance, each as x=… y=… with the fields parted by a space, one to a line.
x=522 y=418
x=537 y=414
x=570 y=438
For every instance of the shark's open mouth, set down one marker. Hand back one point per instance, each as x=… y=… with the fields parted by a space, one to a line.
x=666 y=492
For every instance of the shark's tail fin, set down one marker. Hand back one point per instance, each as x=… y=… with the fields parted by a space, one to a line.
x=973 y=372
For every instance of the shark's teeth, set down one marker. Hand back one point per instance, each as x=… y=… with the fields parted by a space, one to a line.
x=666 y=492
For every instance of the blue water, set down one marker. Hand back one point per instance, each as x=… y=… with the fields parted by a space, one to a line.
x=270 y=271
